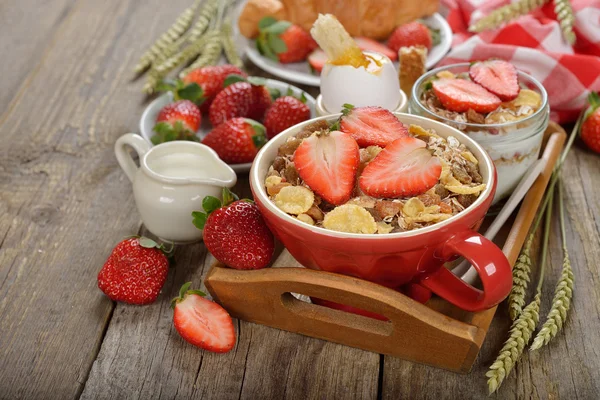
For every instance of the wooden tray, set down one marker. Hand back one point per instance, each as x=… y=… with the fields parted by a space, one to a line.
x=436 y=333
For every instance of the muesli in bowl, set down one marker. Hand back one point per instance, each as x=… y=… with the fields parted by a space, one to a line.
x=368 y=173
x=505 y=110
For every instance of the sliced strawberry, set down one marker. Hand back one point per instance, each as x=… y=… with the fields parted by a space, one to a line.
x=202 y=322
x=327 y=162
x=498 y=77
x=371 y=126
x=404 y=168
x=366 y=44
x=460 y=94
x=317 y=60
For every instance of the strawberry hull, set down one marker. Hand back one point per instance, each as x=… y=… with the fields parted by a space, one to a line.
x=397 y=259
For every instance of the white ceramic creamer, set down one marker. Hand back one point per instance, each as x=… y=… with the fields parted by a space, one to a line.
x=172 y=180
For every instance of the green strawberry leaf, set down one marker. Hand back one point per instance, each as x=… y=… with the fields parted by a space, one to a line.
x=436 y=37
x=162 y=128
x=289 y=92
x=256 y=81
x=276 y=44
x=148 y=243
x=165 y=86
x=259 y=128
x=210 y=204
x=303 y=97
x=229 y=197
x=264 y=49
x=336 y=125
x=259 y=140
x=196 y=291
x=278 y=27
x=428 y=85
x=275 y=93
x=156 y=139
x=199 y=219
x=265 y=22
x=346 y=108
x=594 y=100
x=192 y=92
x=233 y=78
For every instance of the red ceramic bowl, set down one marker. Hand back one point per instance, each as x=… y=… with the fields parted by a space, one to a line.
x=397 y=259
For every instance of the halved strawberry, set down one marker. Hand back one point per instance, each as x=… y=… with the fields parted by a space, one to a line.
x=371 y=126
x=404 y=168
x=460 y=94
x=366 y=44
x=202 y=322
x=498 y=77
x=317 y=60
x=327 y=162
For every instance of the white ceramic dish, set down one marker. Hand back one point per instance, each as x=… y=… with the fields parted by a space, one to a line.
x=301 y=73
x=402 y=106
x=149 y=115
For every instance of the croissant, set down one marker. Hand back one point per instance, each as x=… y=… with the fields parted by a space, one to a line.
x=375 y=19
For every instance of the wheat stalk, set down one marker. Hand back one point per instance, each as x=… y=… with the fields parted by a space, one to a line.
x=206 y=14
x=178 y=28
x=565 y=17
x=506 y=14
x=561 y=303
x=521 y=276
x=229 y=47
x=520 y=334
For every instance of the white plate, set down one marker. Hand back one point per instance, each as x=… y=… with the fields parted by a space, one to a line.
x=148 y=119
x=301 y=73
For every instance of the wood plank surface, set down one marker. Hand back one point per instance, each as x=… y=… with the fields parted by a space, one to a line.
x=66 y=97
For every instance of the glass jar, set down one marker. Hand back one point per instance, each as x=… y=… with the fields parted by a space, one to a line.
x=514 y=146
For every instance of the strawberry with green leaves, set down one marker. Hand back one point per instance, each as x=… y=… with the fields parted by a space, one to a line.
x=135 y=271
x=283 y=41
x=211 y=79
x=285 y=112
x=235 y=232
x=201 y=322
x=181 y=119
x=237 y=140
x=413 y=33
x=590 y=129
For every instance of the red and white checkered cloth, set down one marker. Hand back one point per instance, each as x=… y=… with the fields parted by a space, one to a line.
x=534 y=44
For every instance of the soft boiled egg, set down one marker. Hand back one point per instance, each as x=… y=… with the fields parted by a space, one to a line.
x=375 y=85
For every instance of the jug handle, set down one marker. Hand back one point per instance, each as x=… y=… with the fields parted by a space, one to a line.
x=139 y=144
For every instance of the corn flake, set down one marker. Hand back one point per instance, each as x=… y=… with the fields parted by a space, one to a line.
x=384 y=228
x=294 y=199
x=420 y=131
x=463 y=189
x=413 y=207
x=350 y=218
x=428 y=218
x=306 y=218
x=446 y=74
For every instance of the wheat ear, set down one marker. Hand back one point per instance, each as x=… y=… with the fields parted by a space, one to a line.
x=561 y=303
x=521 y=276
x=506 y=14
x=565 y=17
x=178 y=28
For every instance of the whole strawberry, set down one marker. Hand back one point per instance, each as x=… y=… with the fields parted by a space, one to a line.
x=286 y=111
x=202 y=322
x=412 y=34
x=211 y=79
x=236 y=140
x=240 y=98
x=590 y=130
x=284 y=42
x=135 y=271
x=235 y=232
x=177 y=121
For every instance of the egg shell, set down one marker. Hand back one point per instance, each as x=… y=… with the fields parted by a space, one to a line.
x=341 y=84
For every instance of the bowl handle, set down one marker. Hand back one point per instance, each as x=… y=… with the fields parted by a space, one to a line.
x=139 y=144
x=491 y=265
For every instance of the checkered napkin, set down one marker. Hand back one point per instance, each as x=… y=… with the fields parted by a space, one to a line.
x=534 y=44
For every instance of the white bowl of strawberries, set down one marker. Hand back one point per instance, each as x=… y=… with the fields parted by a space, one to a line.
x=226 y=110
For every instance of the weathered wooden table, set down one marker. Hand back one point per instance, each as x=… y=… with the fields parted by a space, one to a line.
x=66 y=95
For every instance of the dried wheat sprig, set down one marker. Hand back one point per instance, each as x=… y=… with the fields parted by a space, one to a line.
x=186 y=54
x=520 y=334
x=229 y=47
x=210 y=55
x=566 y=19
x=561 y=303
x=206 y=14
x=180 y=25
x=506 y=14
x=152 y=80
x=522 y=328
x=521 y=276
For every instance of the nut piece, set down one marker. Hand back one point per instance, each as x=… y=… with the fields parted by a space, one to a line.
x=272 y=181
x=387 y=208
x=294 y=199
x=315 y=213
x=306 y=218
x=350 y=218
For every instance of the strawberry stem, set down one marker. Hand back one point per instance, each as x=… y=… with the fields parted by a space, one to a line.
x=185 y=290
